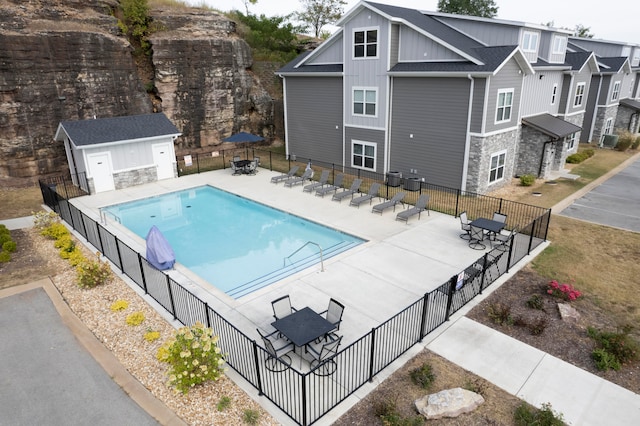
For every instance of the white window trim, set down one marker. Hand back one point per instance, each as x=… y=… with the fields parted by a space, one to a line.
x=495 y=117
x=365 y=89
x=532 y=35
x=504 y=166
x=571 y=140
x=375 y=154
x=554 y=94
x=575 y=98
x=353 y=43
x=608 y=126
x=559 y=44
x=615 y=93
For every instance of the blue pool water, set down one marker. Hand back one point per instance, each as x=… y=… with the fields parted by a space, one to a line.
x=235 y=244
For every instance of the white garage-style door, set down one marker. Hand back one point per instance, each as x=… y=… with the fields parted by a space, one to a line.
x=163 y=159
x=99 y=167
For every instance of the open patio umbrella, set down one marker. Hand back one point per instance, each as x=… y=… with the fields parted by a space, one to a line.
x=243 y=137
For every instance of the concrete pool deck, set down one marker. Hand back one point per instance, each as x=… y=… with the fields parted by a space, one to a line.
x=397 y=265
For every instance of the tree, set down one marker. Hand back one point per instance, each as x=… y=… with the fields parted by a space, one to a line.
x=582 y=31
x=318 y=13
x=482 y=8
x=247 y=3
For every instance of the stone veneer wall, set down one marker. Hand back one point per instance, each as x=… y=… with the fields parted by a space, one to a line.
x=136 y=177
x=481 y=149
x=627 y=119
x=602 y=115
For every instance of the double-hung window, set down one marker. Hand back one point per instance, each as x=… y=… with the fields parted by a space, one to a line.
x=365 y=43
x=554 y=93
x=364 y=155
x=616 y=91
x=530 y=41
x=364 y=102
x=572 y=140
x=608 y=127
x=496 y=169
x=504 y=105
x=559 y=44
x=577 y=101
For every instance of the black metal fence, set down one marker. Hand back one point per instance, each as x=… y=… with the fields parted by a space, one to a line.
x=306 y=396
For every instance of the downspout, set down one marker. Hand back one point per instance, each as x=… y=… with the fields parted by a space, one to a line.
x=544 y=151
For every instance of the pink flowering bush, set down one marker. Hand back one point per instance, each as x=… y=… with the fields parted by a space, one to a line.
x=563 y=291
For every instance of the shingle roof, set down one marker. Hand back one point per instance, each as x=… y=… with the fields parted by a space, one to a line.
x=104 y=130
x=549 y=125
x=615 y=64
x=576 y=59
x=630 y=103
x=325 y=68
x=492 y=57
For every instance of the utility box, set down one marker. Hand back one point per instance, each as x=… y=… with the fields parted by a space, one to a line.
x=394 y=178
x=412 y=184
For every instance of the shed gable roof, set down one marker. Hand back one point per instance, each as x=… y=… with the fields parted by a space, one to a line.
x=552 y=126
x=115 y=129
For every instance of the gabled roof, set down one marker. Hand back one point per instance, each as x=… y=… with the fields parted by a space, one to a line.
x=630 y=103
x=552 y=126
x=116 y=129
x=578 y=60
x=493 y=58
x=298 y=66
x=615 y=64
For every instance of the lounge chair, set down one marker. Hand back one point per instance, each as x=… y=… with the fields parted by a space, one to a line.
x=324 y=178
x=397 y=199
x=337 y=184
x=355 y=185
x=285 y=176
x=421 y=205
x=369 y=196
x=293 y=181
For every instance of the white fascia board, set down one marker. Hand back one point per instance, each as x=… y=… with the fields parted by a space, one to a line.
x=124 y=142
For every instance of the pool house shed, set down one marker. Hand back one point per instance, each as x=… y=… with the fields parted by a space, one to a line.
x=118 y=152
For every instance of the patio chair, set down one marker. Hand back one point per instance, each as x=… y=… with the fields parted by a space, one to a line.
x=498 y=217
x=355 y=186
x=465 y=225
x=282 y=307
x=324 y=178
x=323 y=363
x=293 y=181
x=252 y=168
x=285 y=176
x=504 y=240
x=337 y=184
x=277 y=349
x=234 y=169
x=476 y=236
x=334 y=313
x=369 y=196
x=397 y=199
x=421 y=205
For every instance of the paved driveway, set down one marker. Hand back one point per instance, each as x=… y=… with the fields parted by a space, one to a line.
x=616 y=202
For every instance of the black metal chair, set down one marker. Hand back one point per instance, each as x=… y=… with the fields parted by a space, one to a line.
x=465 y=225
x=323 y=363
x=277 y=350
x=476 y=237
x=504 y=241
x=282 y=307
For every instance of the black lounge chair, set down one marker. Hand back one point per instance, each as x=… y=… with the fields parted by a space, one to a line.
x=293 y=181
x=285 y=176
x=421 y=205
x=369 y=196
x=355 y=185
x=324 y=178
x=337 y=184
x=397 y=199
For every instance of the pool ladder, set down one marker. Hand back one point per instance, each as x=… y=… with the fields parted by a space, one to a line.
x=303 y=246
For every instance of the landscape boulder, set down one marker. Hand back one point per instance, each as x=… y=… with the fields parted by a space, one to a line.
x=448 y=403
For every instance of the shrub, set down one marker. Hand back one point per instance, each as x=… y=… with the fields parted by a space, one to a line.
x=625 y=140
x=579 y=157
x=563 y=291
x=537 y=326
x=151 y=336
x=223 y=403
x=43 y=219
x=4 y=238
x=119 y=305
x=9 y=246
x=500 y=313
x=55 y=231
x=75 y=257
x=636 y=143
x=476 y=385
x=193 y=357
x=527 y=180
x=423 y=376
x=387 y=411
x=526 y=415
x=535 y=302
x=5 y=257
x=613 y=348
x=93 y=273
x=250 y=416
x=4 y=230
x=135 y=318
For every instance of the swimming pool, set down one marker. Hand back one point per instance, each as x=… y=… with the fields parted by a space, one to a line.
x=235 y=244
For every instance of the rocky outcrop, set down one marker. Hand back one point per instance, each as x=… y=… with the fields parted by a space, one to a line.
x=67 y=60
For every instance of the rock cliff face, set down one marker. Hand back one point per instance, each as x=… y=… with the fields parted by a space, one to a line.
x=66 y=60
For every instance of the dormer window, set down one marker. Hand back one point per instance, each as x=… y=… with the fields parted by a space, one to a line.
x=530 y=41
x=559 y=45
x=365 y=43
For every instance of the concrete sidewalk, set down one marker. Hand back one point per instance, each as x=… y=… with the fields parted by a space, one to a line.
x=535 y=376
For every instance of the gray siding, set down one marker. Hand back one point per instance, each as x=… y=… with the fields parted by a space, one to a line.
x=365 y=135
x=507 y=78
x=415 y=47
x=435 y=112
x=331 y=54
x=606 y=88
x=583 y=76
x=589 y=114
x=487 y=32
x=314 y=117
x=546 y=48
x=477 y=111
x=538 y=93
x=366 y=72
